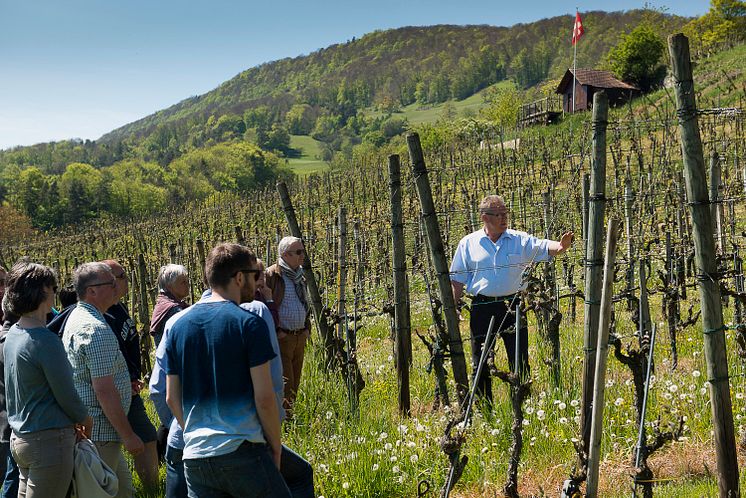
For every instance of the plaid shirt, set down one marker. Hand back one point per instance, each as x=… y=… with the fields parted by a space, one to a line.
x=93 y=352
x=292 y=313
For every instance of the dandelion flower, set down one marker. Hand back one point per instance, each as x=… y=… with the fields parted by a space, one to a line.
x=618 y=401
x=329 y=415
x=540 y=414
x=574 y=403
x=696 y=373
x=345 y=485
x=396 y=469
x=562 y=406
x=375 y=467
x=673 y=388
x=414 y=458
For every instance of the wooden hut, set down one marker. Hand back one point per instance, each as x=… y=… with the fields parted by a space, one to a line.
x=588 y=82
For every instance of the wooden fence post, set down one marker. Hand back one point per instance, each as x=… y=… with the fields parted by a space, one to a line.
x=594 y=260
x=435 y=243
x=327 y=335
x=704 y=251
x=403 y=333
x=599 y=384
x=143 y=310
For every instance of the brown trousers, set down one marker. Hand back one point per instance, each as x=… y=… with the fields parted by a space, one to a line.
x=292 y=350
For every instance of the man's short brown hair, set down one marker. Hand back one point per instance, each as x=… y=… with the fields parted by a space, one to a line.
x=224 y=261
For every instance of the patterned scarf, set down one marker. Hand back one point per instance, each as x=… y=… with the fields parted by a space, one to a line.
x=296 y=276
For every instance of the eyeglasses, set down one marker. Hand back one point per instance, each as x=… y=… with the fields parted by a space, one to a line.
x=257 y=273
x=113 y=283
x=297 y=252
x=121 y=276
x=502 y=214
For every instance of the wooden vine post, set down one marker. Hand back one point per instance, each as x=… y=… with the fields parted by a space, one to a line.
x=706 y=263
x=435 y=243
x=599 y=384
x=594 y=260
x=143 y=311
x=403 y=333
x=333 y=349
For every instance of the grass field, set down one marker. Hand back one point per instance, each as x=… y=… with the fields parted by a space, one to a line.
x=308 y=160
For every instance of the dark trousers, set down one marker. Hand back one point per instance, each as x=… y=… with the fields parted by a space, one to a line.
x=297 y=472
x=245 y=473
x=12 y=474
x=176 y=485
x=479 y=322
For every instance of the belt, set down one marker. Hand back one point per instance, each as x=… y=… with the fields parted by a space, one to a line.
x=480 y=298
x=291 y=332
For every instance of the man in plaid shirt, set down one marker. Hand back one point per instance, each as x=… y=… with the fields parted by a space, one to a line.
x=100 y=371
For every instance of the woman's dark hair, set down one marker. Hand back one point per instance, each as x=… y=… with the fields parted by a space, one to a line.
x=26 y=288
x=68 y=296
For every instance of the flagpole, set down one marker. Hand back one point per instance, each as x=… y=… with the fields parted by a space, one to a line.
x=574 y=60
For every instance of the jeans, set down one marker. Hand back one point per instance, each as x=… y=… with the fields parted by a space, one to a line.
x=12 y=475
x=247 y=472
x=297 y=472
x=45 y=462
x=176 y=485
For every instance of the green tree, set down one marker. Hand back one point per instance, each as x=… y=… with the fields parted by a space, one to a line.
x=300 y=119
x=503 y=107
x=637 y=57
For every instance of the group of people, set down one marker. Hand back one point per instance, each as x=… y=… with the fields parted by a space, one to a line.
x=226 y=374
x=227 y=368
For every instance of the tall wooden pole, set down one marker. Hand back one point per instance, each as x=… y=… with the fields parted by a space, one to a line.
x=327 y=334
x=403 y=345
x=594 y=259
x=594 y=457
x=706 y=263
x=435 y=243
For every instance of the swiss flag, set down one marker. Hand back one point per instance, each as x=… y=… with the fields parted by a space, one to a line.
x=577 y=30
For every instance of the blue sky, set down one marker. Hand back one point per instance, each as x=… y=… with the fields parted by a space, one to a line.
x=80 y=68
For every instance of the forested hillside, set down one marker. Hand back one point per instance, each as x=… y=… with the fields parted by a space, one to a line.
x=177 y=153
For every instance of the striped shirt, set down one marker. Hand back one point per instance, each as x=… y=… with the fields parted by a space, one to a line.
x=93 y=352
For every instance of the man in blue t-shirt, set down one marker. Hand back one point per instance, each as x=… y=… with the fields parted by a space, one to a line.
x=219 y=386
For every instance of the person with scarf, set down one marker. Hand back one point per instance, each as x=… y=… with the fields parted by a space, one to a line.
x=173 y=288
x=285 y=278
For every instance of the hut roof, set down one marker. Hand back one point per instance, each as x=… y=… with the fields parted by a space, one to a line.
x=595 y=78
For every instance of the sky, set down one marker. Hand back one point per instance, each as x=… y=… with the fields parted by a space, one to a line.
x=81 y=68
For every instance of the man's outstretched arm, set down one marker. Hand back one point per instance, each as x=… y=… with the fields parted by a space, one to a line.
x=557 y=247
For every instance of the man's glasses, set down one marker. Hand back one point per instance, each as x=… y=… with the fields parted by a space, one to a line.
x=502 y=214
x=121 y=276
x=113 y=283
x=257 y=273
x=297 y=252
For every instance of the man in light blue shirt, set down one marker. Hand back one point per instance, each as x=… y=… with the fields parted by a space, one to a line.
x=489 y=265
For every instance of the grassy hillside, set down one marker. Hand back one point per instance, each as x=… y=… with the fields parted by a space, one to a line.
x=307 y=158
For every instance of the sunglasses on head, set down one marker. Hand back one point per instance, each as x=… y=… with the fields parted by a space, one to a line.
x=256 y=271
